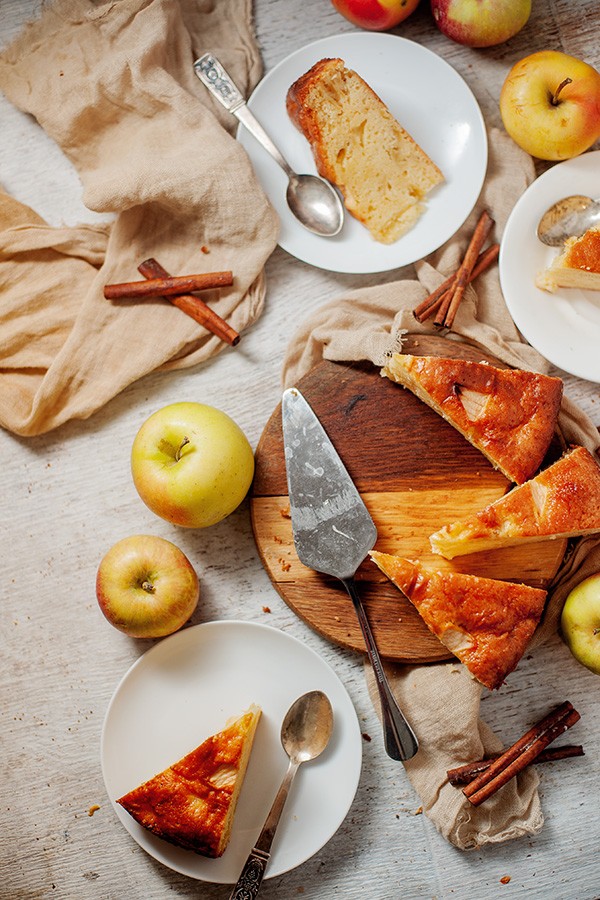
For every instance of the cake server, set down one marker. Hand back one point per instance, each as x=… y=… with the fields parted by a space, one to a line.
x=313 y=200
x=333 y=532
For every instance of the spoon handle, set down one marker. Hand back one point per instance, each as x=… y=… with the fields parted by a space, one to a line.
x=212 y=74
x=399 y=738
x=248 y=884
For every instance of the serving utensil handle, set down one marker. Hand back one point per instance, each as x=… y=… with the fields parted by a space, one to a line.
x=212 y=74
x=399 y=739
x=249 y=882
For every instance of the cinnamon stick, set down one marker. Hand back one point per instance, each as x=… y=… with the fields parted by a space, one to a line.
x=521 y=754
x=432 y=302
x=193 y=306
x=167 y=286
x=465 y=774
x=478 y=239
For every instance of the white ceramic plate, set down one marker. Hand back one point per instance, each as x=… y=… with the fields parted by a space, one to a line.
x=564 y=326
x=184 y=689
x=429 y=99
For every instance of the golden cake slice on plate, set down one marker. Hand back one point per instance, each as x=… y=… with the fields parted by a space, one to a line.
x=577 y=266
x=486 y=623
x=192 y=803
x=382 y=173
x=563 y=501
x=510 y=415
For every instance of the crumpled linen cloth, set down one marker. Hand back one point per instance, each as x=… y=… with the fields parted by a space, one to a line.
x=442 y=701
x=113 y=84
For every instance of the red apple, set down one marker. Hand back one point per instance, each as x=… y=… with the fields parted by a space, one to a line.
x=550 y=105
x=480 y=23
x=191 y=464
x=146 y=586
x=376 y=15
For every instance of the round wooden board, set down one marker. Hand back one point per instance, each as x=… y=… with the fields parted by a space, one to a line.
x=415 y=473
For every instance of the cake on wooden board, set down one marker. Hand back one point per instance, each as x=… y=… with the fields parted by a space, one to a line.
x=358 y=145
x=486 y=623
x=577 y=266
x=192 y=803
x=563 y=501
x=510 y=415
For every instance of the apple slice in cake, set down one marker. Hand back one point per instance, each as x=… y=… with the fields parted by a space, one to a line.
x=192 y=803
x=486 y=623
x=563 y=501
x=508 y=414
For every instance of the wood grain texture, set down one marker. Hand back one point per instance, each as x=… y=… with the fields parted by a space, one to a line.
x=415 y=473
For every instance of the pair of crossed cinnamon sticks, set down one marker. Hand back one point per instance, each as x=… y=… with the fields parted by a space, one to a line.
x=445 y=300
x=178 y=290
x=484 y=777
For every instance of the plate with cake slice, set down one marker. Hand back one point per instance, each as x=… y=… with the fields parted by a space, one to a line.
x=393 y=126
x=192 y=758
x=562 y=323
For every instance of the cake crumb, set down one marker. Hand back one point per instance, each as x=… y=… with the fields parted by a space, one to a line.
x=94 y=808
x=505 y=879
x=266 y=609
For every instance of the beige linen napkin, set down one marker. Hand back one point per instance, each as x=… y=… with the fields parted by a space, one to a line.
x=112 y=83
x=442 y=701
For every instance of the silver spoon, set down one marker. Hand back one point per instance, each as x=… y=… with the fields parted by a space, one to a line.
x=569 y=217
x=313 y=200
x=305 y=733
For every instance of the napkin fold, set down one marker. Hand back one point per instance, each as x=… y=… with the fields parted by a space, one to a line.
x=113 y=85
x=442 y=701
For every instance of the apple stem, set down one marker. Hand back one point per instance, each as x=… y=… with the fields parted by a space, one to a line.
x=185 y=441
x=563 y=84
x=148 y=587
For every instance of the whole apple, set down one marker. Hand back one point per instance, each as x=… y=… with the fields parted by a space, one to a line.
x=580 y=622
x=550 y=105
x=146 y=586
x=191 y=464
x=480 y=23
x=375 y=15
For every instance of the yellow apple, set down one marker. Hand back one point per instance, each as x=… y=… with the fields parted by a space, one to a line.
x=191 y=464
x=480 y=23
x=580 y=622
x=550 y=105
x=146 y=586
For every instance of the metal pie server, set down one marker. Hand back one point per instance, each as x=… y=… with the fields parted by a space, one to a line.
x=333 y=532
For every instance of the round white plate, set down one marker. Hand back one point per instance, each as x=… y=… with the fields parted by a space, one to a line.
x=429 y=99
x=563 y=326
x=183 y=690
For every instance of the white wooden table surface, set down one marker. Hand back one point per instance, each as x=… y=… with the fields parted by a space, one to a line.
x=68 y=496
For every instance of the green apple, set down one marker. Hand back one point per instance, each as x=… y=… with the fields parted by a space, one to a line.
x=480 y=23
x=191 y=464
x=550 y=105
x=146 y=586
x=580 y=622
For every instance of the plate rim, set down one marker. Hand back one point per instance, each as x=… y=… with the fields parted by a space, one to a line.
x=352 y=773
x=540 y=194
x=476 y=117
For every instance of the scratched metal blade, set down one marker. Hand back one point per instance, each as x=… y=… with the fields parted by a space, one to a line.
x=333 y=531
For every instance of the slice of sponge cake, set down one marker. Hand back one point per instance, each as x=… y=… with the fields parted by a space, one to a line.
x=359 y=146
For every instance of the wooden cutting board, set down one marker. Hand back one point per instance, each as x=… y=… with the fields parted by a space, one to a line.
x=415 y=473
